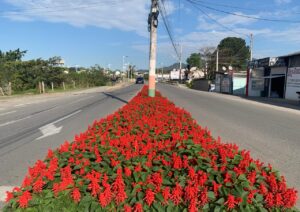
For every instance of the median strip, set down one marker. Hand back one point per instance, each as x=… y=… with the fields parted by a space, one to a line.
x=150 y=156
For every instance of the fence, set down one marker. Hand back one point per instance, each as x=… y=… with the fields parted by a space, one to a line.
x=6 y=89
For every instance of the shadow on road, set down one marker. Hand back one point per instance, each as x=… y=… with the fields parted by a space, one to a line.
x=115 y=97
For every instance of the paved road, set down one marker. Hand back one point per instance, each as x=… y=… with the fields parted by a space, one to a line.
x=271 y=134
x=25 y=129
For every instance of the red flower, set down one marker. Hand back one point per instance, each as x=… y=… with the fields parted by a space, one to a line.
x=127 y=172
x=269 y=199
x=166 y=194
x=9 y=196
x=230 y=203
x=24 y=199
x=76 y=195
x=176 y=194
x=138 y=207
x=127 y=208
x=38 y=185
x=203 y=199
x=149 y=196
x=278 y=200
x=119 y=188
x=290 y=198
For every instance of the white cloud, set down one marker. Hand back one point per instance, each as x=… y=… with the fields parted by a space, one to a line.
x=128 y=15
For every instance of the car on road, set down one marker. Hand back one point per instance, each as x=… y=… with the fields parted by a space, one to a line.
x=139 y=80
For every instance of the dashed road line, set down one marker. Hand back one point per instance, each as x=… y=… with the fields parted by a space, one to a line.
x=14 y=121
x=7 y=113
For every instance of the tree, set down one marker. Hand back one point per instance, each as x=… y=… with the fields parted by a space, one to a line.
x=233 y=51
x=195 y=60
x=15 y=55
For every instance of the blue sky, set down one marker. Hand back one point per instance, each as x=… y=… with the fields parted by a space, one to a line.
x=88 y=32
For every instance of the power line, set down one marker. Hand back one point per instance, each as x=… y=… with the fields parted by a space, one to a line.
x=57 y=8
x=162 y=9
x=214 y=20
x=227 y=6
x=244 y=16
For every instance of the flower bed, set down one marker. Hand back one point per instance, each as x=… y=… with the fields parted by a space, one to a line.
x=150 y=155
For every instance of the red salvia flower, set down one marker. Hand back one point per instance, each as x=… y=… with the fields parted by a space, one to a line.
x=9 y=196
x=149 y=196
x=76 y=195
x=230 y=203
x=127 y=172
x=176 y=194
x=38 y=185
x=138 y=207
x=166 y=194
x=269 y=199
x=24 y=199
x=127 y=208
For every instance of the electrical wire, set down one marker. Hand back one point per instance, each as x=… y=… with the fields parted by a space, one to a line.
x=214 y=20
x=241 y=15
x=56 y=9
x=163 y=13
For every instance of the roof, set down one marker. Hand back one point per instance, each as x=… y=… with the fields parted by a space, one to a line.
x=292 y=54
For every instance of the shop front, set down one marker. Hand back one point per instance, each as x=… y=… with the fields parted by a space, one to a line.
x=267 y=77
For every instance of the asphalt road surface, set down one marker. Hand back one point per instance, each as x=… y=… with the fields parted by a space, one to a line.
x=28 y=130
x=271 y=134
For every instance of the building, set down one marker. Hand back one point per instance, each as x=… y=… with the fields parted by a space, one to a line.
x=274 y=77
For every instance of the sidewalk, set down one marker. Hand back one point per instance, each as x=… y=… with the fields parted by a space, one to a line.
x=21 y=100
x=269 y=102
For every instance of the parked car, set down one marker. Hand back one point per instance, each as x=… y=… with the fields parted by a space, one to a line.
x=139 y=80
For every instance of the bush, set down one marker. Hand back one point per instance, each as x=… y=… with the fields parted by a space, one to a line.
x=150 y=155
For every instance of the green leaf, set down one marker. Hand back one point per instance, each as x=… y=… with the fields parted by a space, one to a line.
x=158 y=207
x=167 y=182
x=242 y=177
x=211 y=195
x=220 y=201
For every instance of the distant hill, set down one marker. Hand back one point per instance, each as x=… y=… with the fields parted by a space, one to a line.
x=167 y=69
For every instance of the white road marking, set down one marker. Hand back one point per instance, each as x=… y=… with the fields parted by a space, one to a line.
x=20 y=105
x=65 y=117
x=51 y=129
x=14 y=121
x=3 y=190
x=3 y=114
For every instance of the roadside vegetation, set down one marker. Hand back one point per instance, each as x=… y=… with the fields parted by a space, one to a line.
x=19 y=77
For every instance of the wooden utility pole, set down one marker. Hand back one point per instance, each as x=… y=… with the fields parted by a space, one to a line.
x=217 y=62
x=152 y=27
x=180 y=64
x=251 y=47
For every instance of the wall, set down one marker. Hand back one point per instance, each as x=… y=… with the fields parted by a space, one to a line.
x=239 y=85
x=200 y=84
x=292 y=83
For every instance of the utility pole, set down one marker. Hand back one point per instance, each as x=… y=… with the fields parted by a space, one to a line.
x=249 y=70
x=180 y=64
x=152 y=27
x=217 y=62
x=251 y=47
